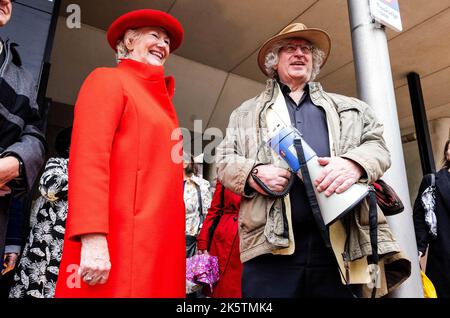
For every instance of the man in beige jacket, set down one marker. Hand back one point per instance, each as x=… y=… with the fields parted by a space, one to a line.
x=282 y=248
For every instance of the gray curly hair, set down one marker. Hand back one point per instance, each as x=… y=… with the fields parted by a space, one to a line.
x=271 y=59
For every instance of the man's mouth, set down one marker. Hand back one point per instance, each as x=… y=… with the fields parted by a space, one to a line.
x=298 y=63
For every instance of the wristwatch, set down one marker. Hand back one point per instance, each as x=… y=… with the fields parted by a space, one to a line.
x=21 y=167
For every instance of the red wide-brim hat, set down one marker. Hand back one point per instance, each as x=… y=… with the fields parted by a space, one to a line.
x=146 y=18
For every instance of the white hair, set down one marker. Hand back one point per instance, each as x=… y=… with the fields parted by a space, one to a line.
x=130 y=35
x=271 y=59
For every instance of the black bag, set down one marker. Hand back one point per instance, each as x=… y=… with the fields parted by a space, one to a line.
x=216 y=219
x=191 y=246
x=387 y=199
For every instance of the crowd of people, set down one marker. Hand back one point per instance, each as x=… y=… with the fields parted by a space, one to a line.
x=117 y=216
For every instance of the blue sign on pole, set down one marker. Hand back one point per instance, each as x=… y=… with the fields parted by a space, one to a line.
x=387 y=12
x=393 y=4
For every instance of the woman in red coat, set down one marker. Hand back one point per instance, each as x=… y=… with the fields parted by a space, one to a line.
x=125 y=226
x=225 y=242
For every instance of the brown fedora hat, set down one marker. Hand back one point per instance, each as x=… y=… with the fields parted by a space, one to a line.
x=317 y=37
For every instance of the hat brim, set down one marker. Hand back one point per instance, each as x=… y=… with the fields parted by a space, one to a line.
x=146 y=18
x=316 y=37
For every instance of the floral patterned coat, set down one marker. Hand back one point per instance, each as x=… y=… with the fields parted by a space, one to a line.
x=194 y=221
x=38 y=268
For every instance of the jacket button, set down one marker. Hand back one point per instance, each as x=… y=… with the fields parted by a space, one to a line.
x=235 y=218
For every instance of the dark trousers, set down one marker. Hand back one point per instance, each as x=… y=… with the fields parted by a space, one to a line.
x=4 y=212
x=312 y=271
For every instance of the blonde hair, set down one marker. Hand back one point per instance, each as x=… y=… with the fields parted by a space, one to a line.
x=271 y=59
x=130 y=35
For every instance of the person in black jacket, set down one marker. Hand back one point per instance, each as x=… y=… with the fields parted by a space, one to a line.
x=438 y=262
x=38 y=269
x=21 y=139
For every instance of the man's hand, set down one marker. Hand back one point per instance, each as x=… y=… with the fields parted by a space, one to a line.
x=4 y=190
x=338 y=175
x=275 y=178
x=94 y=262
x=9 y=262
x=9 y=170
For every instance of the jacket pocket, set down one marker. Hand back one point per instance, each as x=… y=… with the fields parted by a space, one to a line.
x=137 y=193
x=252 y=214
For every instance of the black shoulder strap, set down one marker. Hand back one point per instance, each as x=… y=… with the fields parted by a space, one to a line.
x=373 y=233
x=222 y=198
x=200 y=205
x=216 y=219
x=311 y=194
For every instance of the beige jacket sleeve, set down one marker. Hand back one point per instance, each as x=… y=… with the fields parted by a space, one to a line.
x=372 y=153
x=233 y=167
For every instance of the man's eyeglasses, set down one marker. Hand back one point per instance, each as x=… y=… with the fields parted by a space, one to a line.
x=291 y=48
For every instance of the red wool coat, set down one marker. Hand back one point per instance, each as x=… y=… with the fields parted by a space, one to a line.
x=225 y=243
x=124 y=183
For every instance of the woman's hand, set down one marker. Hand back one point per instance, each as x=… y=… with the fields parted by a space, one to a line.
x=94 y=263
x=200 y=252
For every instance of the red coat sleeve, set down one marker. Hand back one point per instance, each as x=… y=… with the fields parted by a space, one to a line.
x=98 y=111
x=203 y=237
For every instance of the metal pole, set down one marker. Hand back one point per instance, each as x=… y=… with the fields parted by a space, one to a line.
x=421 y=123
x=375 y=86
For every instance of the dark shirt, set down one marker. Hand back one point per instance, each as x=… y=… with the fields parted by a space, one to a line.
x=3 y=55
x=311 y=121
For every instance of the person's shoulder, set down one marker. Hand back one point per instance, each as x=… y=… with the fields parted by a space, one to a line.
x=199 y=180
x=251 y=103
x=104 y=73
x=106 y=77
x=247 y=105
x=344 y=102
x=202 y=183
x=442 y=173
x=17 y=70
x=205 y=183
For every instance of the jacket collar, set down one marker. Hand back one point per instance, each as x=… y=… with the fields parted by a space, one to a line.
x=11 y=55
x=272 y=90
x=149 y=73
x=144 y=71
x=318 y=97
